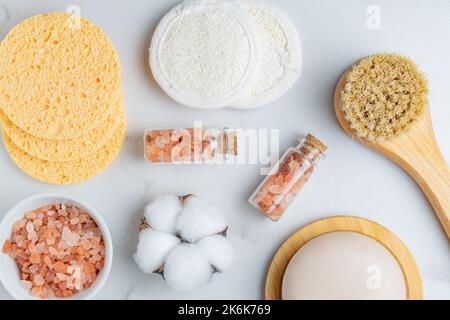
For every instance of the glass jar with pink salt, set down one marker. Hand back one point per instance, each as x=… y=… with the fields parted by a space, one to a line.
x=189 y=145
x=276 y=192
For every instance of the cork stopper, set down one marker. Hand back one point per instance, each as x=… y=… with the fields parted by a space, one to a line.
x=316 y=143
x=312 y=148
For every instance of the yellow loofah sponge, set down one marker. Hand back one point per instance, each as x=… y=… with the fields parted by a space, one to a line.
x=383 y=95
x=60 y=78
x=65 y=150
x=68 y=172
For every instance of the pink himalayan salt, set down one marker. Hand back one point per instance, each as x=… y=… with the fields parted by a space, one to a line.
x=58 y=249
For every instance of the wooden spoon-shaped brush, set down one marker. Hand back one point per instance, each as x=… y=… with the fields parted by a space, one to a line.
x=416 y=151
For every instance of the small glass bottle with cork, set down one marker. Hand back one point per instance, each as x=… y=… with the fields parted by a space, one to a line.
x=276 y=192
x=190 y=145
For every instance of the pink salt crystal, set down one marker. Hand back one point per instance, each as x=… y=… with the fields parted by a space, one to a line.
x=70 y=269
x=52 y=251
x=46 y=208
x=63 y=244
x=32 y=237
x=37 y=291
x=61 y=276
x=50 y=223
x=66 y=234
x=38 y=280
x=30 y=215
x=60 y=255
x=25 y=284
x=85 y=243
x=35 y=258
x=77 y=278
x=48 y=262
x=49 y=276
x=34 y=268
x=62 y=212
x=19 y=224
x=279 y=180
x=37 y=222
x=276 y=189
x=40 y=247
x=50 y=292
x=159 y=143
x=50 y=213
x=29 y=227
x=74 y=221
x=19 y=240
x=294 y=165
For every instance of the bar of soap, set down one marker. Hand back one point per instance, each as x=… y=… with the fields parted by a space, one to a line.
x=343 y=266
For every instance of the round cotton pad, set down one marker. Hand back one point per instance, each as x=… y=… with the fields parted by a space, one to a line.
x=204 y=53
x=281 y=55
x=60 y=77
x=68 y=172
x=65 y=150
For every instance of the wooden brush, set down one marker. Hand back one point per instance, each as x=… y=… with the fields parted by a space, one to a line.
x=381 y=101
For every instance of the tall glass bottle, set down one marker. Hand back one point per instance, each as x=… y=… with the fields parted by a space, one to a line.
x=276 y=192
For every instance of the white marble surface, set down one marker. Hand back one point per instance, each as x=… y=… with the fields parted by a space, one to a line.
x=352 y=180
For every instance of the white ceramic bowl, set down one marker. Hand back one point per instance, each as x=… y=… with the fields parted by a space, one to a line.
x=9 y=274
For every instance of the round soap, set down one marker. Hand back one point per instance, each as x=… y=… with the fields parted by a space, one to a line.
x=341 y=266
x=68 y=172
x=204 y=53
x=60 y=76
x=65 y=150
x=281 y=55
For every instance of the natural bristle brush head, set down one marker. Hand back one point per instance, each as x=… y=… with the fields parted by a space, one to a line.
x=383 y=95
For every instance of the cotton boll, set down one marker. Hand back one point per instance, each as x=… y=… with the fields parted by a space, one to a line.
x=186 y=268
x=162 y=213
x=199 y=219
x=153 y=248
x=218 y=251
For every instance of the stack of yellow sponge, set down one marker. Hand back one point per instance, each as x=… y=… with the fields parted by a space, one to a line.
x=62 y=115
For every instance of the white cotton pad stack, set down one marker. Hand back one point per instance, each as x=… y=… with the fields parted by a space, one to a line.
x=211 y=54
x=281 y=55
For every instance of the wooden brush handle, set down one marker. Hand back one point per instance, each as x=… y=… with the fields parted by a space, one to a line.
x=433 y=176
x=419 y=155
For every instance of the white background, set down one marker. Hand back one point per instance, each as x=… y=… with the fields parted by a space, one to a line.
x=352 y=180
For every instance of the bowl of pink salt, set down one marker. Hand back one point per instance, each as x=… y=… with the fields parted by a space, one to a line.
x=54 y=247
